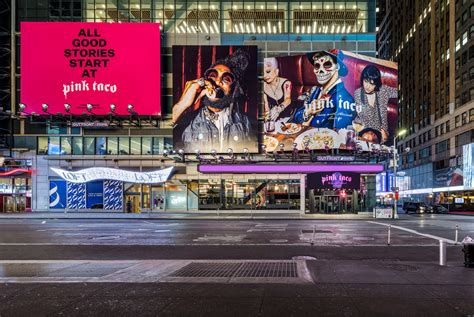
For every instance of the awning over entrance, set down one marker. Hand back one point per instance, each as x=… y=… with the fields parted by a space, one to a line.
x=96 y=173
x=290 y=168
x=14 y=172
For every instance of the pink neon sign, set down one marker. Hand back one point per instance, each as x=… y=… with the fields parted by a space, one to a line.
x=95 y=64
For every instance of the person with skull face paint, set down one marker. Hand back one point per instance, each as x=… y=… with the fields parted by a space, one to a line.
x=219 y=123
x=324 y=104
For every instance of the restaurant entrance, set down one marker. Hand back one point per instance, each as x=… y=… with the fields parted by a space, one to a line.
x=334 y=201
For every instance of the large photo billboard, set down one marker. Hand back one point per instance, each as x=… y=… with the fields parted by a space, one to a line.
x=215 y=98
x=328 y=100
x=77 y=68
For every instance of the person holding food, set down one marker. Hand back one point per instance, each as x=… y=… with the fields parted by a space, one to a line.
x=328 y=104
x=277 y=94
x=372 y=99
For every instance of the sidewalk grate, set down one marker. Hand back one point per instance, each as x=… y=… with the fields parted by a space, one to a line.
x=315 y=231
x=238 y=269
x=207 y=269
x=267 y=269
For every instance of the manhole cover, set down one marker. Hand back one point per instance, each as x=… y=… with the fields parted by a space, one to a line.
x=316 y=231
x=106 y=238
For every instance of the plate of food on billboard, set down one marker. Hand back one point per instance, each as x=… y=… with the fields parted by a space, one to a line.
x=215 y=99
x=329 y=100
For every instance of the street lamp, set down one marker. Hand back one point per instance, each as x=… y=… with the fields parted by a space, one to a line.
x=395 y=163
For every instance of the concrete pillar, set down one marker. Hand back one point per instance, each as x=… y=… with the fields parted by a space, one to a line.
x=371 y=198
x=302 y=193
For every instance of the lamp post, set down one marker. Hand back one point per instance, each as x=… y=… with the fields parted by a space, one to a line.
x=395 y=163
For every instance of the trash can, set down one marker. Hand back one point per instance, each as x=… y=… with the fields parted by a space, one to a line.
x=468 y=249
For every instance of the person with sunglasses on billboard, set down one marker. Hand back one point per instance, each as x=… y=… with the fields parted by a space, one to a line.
x=219 y=123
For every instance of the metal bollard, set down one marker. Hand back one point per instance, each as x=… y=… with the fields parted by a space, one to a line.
x=389 y=232
x=442 y=252
x=456 y=235
x=314 y=232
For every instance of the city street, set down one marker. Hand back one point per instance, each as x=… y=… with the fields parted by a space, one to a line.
x=231 y=267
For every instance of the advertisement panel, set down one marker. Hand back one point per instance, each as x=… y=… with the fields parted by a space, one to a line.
x=215 y=98
x=329 y=100
x=335 y=180
x=66 y=66
x=95 y=194
x=451 y=176
x=57 y=194
x=468 y=165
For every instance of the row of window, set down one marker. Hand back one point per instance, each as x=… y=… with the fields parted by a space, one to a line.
x=78 y=145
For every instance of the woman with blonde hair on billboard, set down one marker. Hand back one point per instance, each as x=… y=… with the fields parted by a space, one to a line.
x=372 y=101
x=277 y=94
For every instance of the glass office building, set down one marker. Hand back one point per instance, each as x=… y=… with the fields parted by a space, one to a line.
x=276 y=27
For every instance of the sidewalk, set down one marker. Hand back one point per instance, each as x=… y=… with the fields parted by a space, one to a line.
x=183 y=215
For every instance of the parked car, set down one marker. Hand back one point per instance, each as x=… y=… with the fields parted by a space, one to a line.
x=415 y=206
x=438 y=209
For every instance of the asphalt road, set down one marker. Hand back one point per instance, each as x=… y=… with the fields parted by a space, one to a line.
x=104 y=267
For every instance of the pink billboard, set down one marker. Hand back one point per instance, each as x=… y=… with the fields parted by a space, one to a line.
x=92 y=68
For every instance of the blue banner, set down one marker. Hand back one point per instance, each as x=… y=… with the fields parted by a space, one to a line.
x=57 y=194
x=95 y=195
x=76 y=195
x=113 y=195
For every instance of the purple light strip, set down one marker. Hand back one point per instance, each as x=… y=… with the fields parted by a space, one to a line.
x=287 y=168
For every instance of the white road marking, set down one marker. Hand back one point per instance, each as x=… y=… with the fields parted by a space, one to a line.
x=415 y=232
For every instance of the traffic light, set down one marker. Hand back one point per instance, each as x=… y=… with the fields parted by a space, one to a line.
x=343 y=194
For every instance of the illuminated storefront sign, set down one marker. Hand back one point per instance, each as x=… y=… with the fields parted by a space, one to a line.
x=334 y=180
x=290 y=168
x=97 y=173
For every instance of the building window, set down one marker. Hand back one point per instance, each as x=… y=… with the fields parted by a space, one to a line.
x=76 y=145
x=66 y=145
x=112 y=145
x=124 y=145
x=447 y=126
x=464 y=118
x=458 y=44
x=442 y=146
x=135 y=146
x=146 y=145
x=457 y=121
x=42 y=145
x=53 y=146
x=464 y=38
x=101 y=146
x=89 y=145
